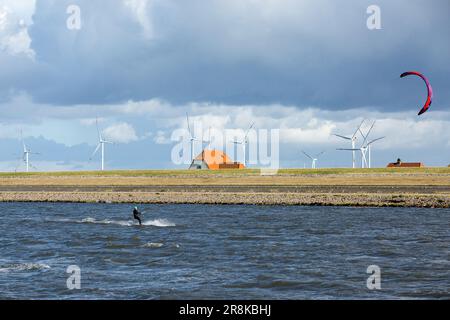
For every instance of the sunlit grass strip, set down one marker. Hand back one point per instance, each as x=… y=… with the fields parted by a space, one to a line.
x=249 y=172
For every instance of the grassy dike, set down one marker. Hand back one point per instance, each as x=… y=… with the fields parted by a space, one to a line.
x=407 y=187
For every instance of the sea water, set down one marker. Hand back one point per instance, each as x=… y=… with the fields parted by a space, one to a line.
x=222 y=252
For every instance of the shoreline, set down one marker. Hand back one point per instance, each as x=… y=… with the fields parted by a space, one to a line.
x=429 y=188
x=283 y=199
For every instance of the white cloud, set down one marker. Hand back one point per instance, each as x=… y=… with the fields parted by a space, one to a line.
x=140 y=10
x=18 y=43
x=300 y=127
x=151 y=107
x=120 y=133
x=15 y=18
x=161 y=138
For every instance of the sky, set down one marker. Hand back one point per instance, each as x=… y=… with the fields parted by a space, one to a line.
x=306 y=68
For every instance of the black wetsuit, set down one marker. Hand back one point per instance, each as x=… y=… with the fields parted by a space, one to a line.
x=137 y=215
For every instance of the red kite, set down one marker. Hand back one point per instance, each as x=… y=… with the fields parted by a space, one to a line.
x=430 y=90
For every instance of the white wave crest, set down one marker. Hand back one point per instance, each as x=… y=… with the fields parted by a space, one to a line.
x=153 y=245
x=24 y=267
x=107 y=221
x=159 y=223
x=128 y=223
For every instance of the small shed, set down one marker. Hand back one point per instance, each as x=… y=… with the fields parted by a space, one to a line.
x=401 y=164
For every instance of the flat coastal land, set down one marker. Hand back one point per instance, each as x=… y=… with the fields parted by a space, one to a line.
x=396 y=187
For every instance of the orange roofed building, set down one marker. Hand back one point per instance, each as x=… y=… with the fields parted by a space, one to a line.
x=214 y=160
x=400 y=164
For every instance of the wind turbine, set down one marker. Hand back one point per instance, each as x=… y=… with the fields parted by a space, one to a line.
x=244 y=142
x=313 y=159
x=192 y=138
x=368 y=149
x=101 y=144
x=353 y=139
x=26 y=154
x=365 y=148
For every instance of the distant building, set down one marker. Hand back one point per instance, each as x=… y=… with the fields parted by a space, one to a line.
x=214 y=160
x=401 y=164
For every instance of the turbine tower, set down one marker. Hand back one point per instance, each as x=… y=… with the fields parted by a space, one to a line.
x=313 y=159
x=244 y=143
x=352 y=139
x=26 y=154
x=365 y=148
x=101 y=144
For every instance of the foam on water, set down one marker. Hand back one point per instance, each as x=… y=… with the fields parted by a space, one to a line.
x=153 y=245
x=23 y=267
x=159 y=223
x=127 y=223
x=107 y=221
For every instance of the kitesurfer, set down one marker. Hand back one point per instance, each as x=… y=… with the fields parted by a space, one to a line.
x=137 y=215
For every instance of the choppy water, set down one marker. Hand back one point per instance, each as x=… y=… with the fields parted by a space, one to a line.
x=215 y=252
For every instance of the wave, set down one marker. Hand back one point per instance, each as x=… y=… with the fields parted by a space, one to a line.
x=23 y=267
x=159 y=223
x=153 y=245
x=107 y=221
x=127 y=223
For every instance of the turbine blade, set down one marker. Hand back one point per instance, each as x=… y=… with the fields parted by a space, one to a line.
x=23 y=142
x=209 y=134
x=307 y=155
x=343 y=137
x=319 y=154
x=374 y=140
x=98 y=130
x=343 y=149
x=188 y=125
x=362 y=134
x=95 y=151
x=358 y=129
x=248 y=130
x=368 y=132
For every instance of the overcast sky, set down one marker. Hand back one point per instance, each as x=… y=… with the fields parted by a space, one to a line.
x=308 y=68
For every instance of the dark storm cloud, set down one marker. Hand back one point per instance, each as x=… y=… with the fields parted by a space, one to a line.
x=316 y=53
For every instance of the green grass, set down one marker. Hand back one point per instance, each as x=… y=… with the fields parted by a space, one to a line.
x=430 y=170
x=249 y=172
